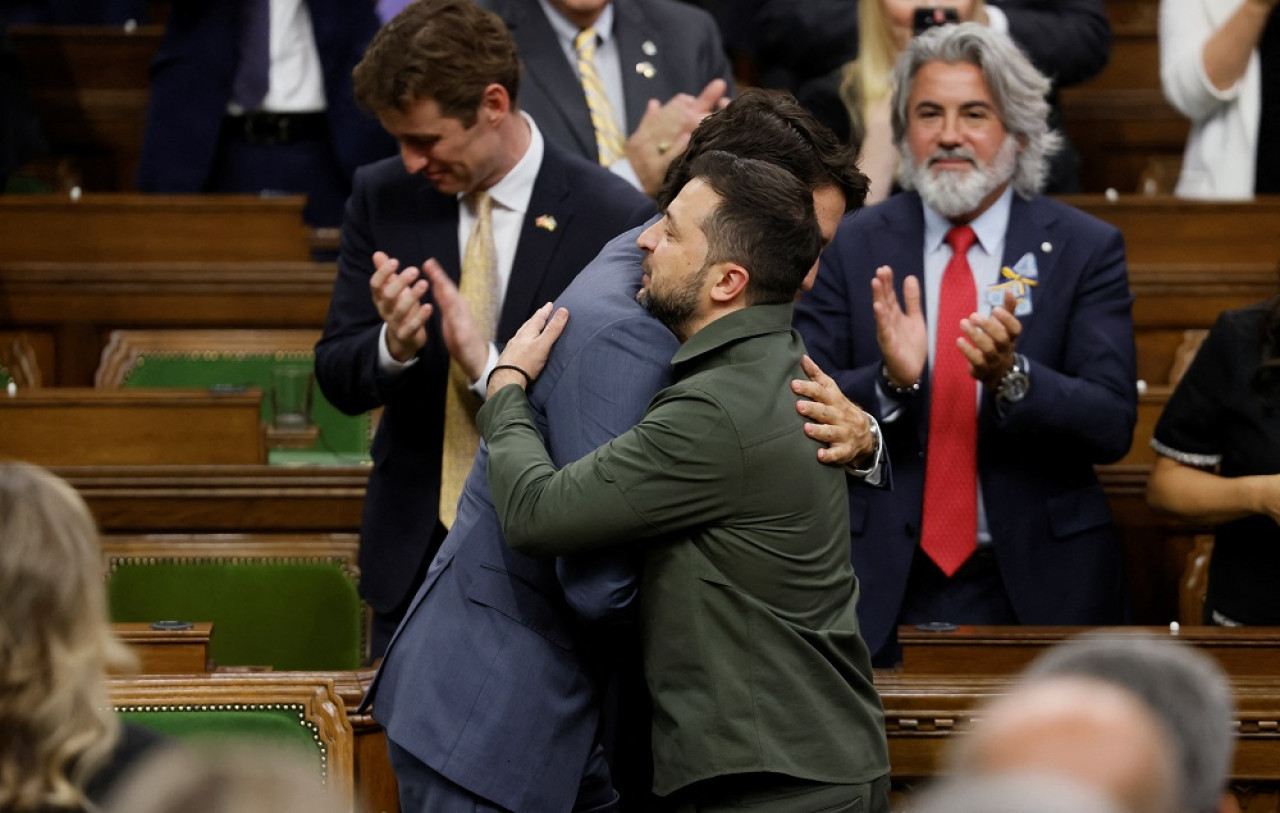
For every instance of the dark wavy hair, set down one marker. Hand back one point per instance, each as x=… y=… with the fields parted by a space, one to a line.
x=769 y=125
x=446 y=50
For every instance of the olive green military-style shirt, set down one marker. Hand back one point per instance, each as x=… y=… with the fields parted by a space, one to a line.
x=751 y=645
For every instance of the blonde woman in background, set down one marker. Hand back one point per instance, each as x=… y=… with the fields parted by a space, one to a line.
x=61 y=746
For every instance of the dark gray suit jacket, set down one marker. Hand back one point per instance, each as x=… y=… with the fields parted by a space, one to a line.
x=686 y=54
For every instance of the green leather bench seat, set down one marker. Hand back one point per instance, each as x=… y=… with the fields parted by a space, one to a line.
x=302 y=614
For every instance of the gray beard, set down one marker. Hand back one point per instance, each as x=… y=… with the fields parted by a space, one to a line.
x=953 y=195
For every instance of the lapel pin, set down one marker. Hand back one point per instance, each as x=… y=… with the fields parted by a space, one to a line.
x=649 y=48
x=645 y=69
x=1046 y=247
x=545 y=222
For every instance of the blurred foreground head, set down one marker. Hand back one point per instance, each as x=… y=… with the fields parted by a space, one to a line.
x=235 y=778
x=56 y=723
x=1080 y=729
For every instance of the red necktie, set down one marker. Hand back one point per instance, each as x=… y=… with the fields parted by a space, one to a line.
x=949 y=531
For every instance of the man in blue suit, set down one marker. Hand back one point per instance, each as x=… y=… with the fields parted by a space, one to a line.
x=490 y=689
x=1011 y=525
x=305 y=135
x=443 y=79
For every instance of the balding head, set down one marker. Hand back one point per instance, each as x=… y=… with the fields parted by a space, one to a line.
x=1080 y=728
x=1184 y=687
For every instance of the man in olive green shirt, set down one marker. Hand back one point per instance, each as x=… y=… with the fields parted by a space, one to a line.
x=761 y=684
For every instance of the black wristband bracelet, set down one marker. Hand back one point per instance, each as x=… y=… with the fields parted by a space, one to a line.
x=528 y=380
x=894 y=391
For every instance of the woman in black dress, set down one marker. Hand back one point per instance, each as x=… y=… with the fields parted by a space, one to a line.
x=1219 y=461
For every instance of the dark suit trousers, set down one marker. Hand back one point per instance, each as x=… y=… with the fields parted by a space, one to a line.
x=974 y=595
x=424 y=790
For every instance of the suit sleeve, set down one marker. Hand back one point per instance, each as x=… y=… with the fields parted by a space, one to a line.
x=825 y=317
x=665 y=474
x=613 y=379
x=1087 y=397
x=347 y=353
x=1068 y=40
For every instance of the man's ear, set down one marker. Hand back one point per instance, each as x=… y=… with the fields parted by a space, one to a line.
x=730 y=283
x=495 y=103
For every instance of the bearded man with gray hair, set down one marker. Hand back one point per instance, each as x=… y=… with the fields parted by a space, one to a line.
x=989 y=330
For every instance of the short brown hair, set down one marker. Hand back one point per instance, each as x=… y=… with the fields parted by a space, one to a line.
x=446 y=50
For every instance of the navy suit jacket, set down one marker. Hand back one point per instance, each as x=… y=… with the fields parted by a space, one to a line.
x=406 y=217
x=191 y=83
x=1049 y=519
x=490 y=680
x=687 y=54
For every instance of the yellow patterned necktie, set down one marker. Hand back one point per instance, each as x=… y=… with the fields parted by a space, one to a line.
x=477 y=284
x=610 y=145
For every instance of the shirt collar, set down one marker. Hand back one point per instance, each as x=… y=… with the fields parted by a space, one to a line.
x=567 y=31
x=515 y=188
x=989 y=226
x=753 y=320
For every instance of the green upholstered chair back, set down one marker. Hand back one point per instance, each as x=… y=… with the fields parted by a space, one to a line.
x=275 y=724
x=232 y=359
x=289 y=613
x=299 y=711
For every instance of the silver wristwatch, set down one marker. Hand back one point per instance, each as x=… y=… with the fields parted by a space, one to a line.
x=1015 y=384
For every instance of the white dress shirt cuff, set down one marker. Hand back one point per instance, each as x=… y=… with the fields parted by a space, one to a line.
x=873 y=473
x=387 y=364
x=481 y=385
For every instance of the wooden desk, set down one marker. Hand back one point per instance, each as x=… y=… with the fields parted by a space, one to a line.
x=75 y=426
x=66 y=310
x=1172 y=231
x=228 y=499
x=152 y=228
x=994 y=651
x=167 y=652
x=924 y=713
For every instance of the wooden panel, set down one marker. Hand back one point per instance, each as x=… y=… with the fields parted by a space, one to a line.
x=1243 y=652
x=376 y=787
x=1119 y=121
x=1150 y=405
x=75 y=305
x=343 y=548
x=75 y=426
x=924 y=714
x=167 y=652
x=1173 y=231
x=124 y=227
x=89 y=86
x=229 y=499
